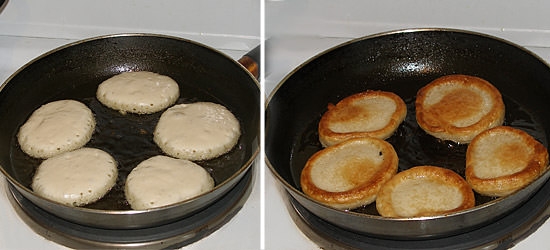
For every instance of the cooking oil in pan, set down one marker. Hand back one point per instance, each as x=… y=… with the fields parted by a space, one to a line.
x=129 y=139
x=415 y=147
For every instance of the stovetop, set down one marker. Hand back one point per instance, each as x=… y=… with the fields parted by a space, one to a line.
x=172 y=235
x=29 y=28
x=39 y=27
x=283 y=54
x=15 y=51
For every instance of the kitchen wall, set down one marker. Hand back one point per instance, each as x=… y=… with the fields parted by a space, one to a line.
x=233 y=25
x=524 y=22
x=300 y=29
x=29 y=28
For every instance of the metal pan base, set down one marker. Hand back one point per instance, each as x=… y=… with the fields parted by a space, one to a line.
x=173 y=235
x=501 y=234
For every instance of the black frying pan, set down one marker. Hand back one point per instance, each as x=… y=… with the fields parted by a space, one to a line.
x=74 y=71
x=403 y=62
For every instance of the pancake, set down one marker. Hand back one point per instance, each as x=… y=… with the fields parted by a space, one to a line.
x=458 y=107
x=370 y=113
x=197 y=131
x=76 y=178
x=424 y=191
x=55 y=128
x=162 y=181
x=503 y=160
x=349 y=174
x=139 y=92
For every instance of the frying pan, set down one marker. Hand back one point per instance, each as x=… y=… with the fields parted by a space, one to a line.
x=402 y=62
x=74 y=71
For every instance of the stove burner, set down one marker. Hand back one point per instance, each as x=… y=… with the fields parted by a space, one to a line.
x=172 y=235
x=501 y=234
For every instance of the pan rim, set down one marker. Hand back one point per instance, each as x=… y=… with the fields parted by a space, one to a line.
x=115 y=35
x=241 y=171
x=391 y=32
x=293 y=190
x=542 y=178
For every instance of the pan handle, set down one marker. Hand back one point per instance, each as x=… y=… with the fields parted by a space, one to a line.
x=251 y=61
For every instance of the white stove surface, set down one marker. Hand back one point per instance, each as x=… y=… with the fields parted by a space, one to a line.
x=29 y=28
x=15 y=234
x=299 y=30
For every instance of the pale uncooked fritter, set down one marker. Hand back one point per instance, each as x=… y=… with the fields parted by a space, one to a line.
x=197 y=131
x=55 y=128
x=162 y=180
x=76 y=178
x=140 y=92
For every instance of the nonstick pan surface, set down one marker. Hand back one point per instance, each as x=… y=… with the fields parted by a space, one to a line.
x=74 y=71
x=402 y=62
